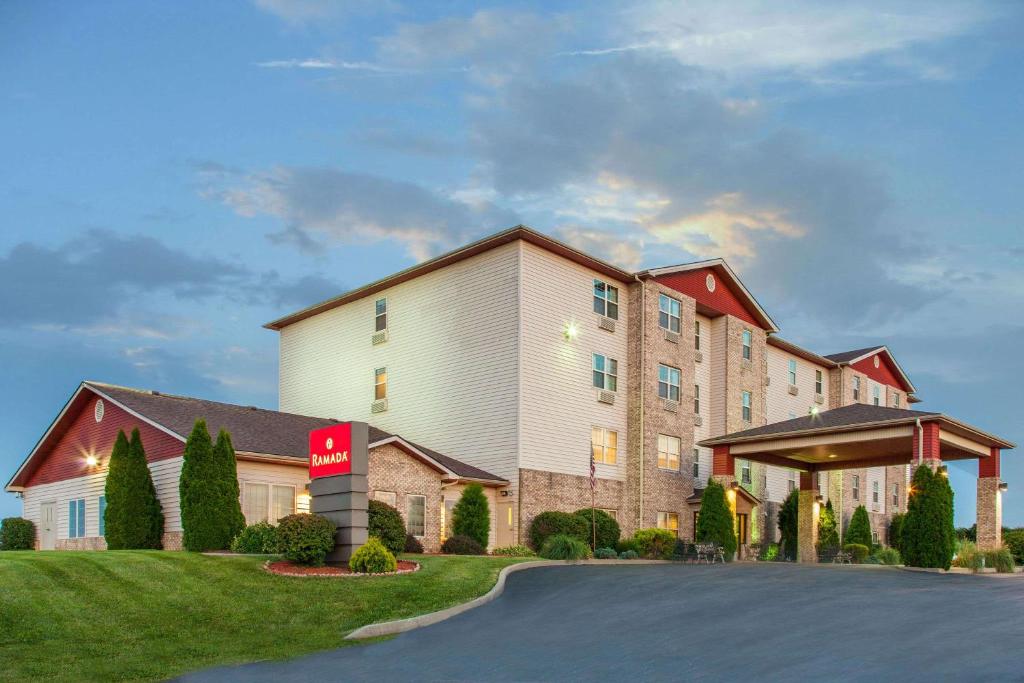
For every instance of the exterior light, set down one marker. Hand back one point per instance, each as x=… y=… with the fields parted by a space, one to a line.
x=943 y=471
x=814 y=411
x=1003 y=486
x=735 y=486
x=832 y=456
x=571 y=331
x=92 y=460
x=819 y=499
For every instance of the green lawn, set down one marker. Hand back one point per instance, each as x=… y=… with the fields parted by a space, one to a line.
x=148 y=615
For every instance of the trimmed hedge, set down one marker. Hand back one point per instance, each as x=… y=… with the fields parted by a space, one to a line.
x=386 y=525
x=260 y=538
x=17 y=533
x=412 y=544
x=514 y=551
x=372 y=558
x=655 y=544
x=565 y=547
x=462 y=545
x=550 y=523
x=608 y=531
x=628 y=555
x=605 y=554
x=471 y=516
x=859 y=551
x=306 y=538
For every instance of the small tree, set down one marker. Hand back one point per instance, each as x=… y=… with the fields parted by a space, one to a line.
x=896 y=531
x=472 y=516
x=133 y=518
x=927 y=535
x=715 y=523
x=788 y=524
x=828 y=532
x=386 y=525
x=859 y=530
x=230 y=515
x=200 y=494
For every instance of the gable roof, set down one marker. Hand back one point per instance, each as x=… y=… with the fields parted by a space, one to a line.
x=857 y=355
x=255 y=432
x=846 y=357
x=779 y=342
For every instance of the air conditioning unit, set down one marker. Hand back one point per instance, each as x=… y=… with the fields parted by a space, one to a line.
x=746 y=364
x=606 y=324
x=698 y=357
x=606 y=397
x=380 y=337
x=672 y=336
x=698 y=421
x=670 y=406
x=379 y=406
x=819 y=399
x=793 y=390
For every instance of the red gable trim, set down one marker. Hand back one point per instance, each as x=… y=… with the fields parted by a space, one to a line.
x=725 y=300
x=886 y=373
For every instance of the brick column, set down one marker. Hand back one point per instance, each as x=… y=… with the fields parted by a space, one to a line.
x=990 y=503
x=807 y=520
x=723 y=466
x=926 y=446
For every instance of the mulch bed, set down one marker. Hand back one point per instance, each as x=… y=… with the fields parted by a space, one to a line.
x=284 y=568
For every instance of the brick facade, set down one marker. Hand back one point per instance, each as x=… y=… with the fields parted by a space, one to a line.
x=395 y=471
x=543 y=491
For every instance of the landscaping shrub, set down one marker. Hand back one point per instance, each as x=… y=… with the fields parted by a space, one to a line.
x=17 y=533
x=564 y=547
x=828 y=530
x=888 y=556
x=412 y=544
x=260 y=538
x=927 y=536
x=385 y=523
x=896 y=530
x=1001 y=559
x=550 y=523
x=770 y=553
x=859 y=531
x=967 y=533
x=628 y=555
x=471 y=516
x=514 y=551
x=655 y=544
x=715 y=523
x=462 y=545
x=859 y=551
x=788 y=525
x=968 y=556
x=211 y=515
x=1014 y=540
x=605 y=554
x=372 y=558
x=230 y=516
x=608 y=531
x=133 y=518
x=680 y=550
x=306 y=538
x=625 y=545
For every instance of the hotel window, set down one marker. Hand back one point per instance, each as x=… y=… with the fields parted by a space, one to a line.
x=895 y=495
x=792 y=371
x=874 y=492
x=668 y=383
x=604 y=444
x=670 y=521
x=606 y=371
x=818 y=383
x=746 y=407
x=696 y=463
x=614 y=514
x=874 y=537
x=380 y=322
x=696 y=335
x=103 y=512
x=696 y=399
x=267 y=503
x=668 y=452
x=856 y=388
x=380 y=384
x=876 y=394
x=606 y=300
x=791 y=483
x=388 y=497
x=745 y=471
x=76 y=518
x=668 y=313
x=896 y=400
x=417 y=515
x=856 y=487
x=747 y=336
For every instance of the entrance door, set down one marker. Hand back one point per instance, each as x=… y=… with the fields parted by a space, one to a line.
x=741 y=528
x=506 y=531
x=47 y=527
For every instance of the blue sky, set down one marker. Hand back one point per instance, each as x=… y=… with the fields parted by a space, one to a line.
x=176 y=174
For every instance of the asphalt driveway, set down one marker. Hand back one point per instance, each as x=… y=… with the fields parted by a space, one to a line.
x=687 y=622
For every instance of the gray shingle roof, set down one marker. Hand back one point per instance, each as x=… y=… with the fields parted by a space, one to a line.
x=847 y=416
x=847 y=356
x=253 y=430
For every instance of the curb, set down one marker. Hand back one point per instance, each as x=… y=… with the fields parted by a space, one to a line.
x=390 y=628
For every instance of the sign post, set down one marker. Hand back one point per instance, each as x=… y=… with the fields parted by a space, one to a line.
x=339 y=463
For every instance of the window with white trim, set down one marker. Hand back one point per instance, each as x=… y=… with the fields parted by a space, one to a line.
x=792 y=371
x=746 y=407
x=895 y=495
x=696 y=399
x=668 y=313
x=668 y=382
x=874 y=537
x=387 y=497
x=696 y=335
x=876 y=395
x=819 y=383
x=380 y=317
x=696 y=463
x=604 y=444
x=262 y=502
x=614 y=514
x=874 y=492
x=856 y=388
x=668 y=452
x=606 y=372
x=745 y=472
x=669 y=520
x=791 y=483
x=606 y=299
x=747 y=340
x=416 y=515
x=380 y=384
x=856 y=487
x=76 y=518
x=895 y=399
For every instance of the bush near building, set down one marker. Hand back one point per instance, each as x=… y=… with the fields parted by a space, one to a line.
x=133 y=519
x=513 y=551
x=462 y=545
x=715 y=522
x=565 y=547
x=896 y=530
x=372 y=558
x=605 y=554
x=550 y=523
x=626 y=545
x=306 y=538
x=858 y=551
x=788 y=525
x=608 y=530
x=231 y=519
x=471 y=516
x=1014 y=540
x=412 y=544
x=657 y=544
x=260 y=538
x=386 y=524
x=859 y=531
x=889 y=556
x=927 y=536
x=828 y=530
x=17 y=533
x=211 y=514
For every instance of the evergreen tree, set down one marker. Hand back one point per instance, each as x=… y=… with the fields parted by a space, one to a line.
x=789 y=525
x=471 y=516
x=715 y=522
x=859 y=530
x=828 y=532
x=133 y=518
x=230 y=515
x=896 y=531
x=927 y=535
x=199 y=491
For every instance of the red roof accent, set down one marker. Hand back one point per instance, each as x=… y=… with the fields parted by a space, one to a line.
x=724 y=300
x=886 y=372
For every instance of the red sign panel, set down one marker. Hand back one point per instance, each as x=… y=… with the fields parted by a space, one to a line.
x=330 y=451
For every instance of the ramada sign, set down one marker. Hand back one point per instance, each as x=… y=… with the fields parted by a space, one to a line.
x=330 y=451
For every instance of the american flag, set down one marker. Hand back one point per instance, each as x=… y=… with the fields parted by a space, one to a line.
x=593 y=471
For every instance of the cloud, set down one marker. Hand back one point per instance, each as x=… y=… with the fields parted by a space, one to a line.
x=299 y=12
x=315 y=204
x=331 y=65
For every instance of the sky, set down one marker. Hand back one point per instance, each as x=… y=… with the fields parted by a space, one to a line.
x=175 y=175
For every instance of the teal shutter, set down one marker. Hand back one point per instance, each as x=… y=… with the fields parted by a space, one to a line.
x=81 y=518
x=103 y=510
x=72 y=518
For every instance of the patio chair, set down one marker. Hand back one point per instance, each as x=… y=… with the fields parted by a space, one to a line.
x=705 y=552
x=719 y=554
x=842 y=558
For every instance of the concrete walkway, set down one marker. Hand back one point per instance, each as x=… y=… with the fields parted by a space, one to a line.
x=674 y=622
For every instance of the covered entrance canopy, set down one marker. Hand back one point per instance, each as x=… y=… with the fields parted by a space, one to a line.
x=858 y=436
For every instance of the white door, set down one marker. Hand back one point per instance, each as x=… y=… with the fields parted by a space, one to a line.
x=47 y=527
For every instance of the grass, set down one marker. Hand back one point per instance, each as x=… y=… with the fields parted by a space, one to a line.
x=149 y=615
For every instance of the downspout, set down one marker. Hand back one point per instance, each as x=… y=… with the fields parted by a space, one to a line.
x=920 y=440
x=643 y=379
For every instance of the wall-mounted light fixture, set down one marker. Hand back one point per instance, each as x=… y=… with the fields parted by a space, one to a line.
x=571 y=331
x=91 y=460
x=505 y=493
x=1003 y=486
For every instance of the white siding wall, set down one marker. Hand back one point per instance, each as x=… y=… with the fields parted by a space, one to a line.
x=451 y=359
x=165 y=473
x=719 y=344
x=702 y=377
x=559 y=401
x=875 y=475
x=273 y=473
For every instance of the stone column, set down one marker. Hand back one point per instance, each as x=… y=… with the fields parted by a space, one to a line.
x=807 y=520
x=990 y=503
